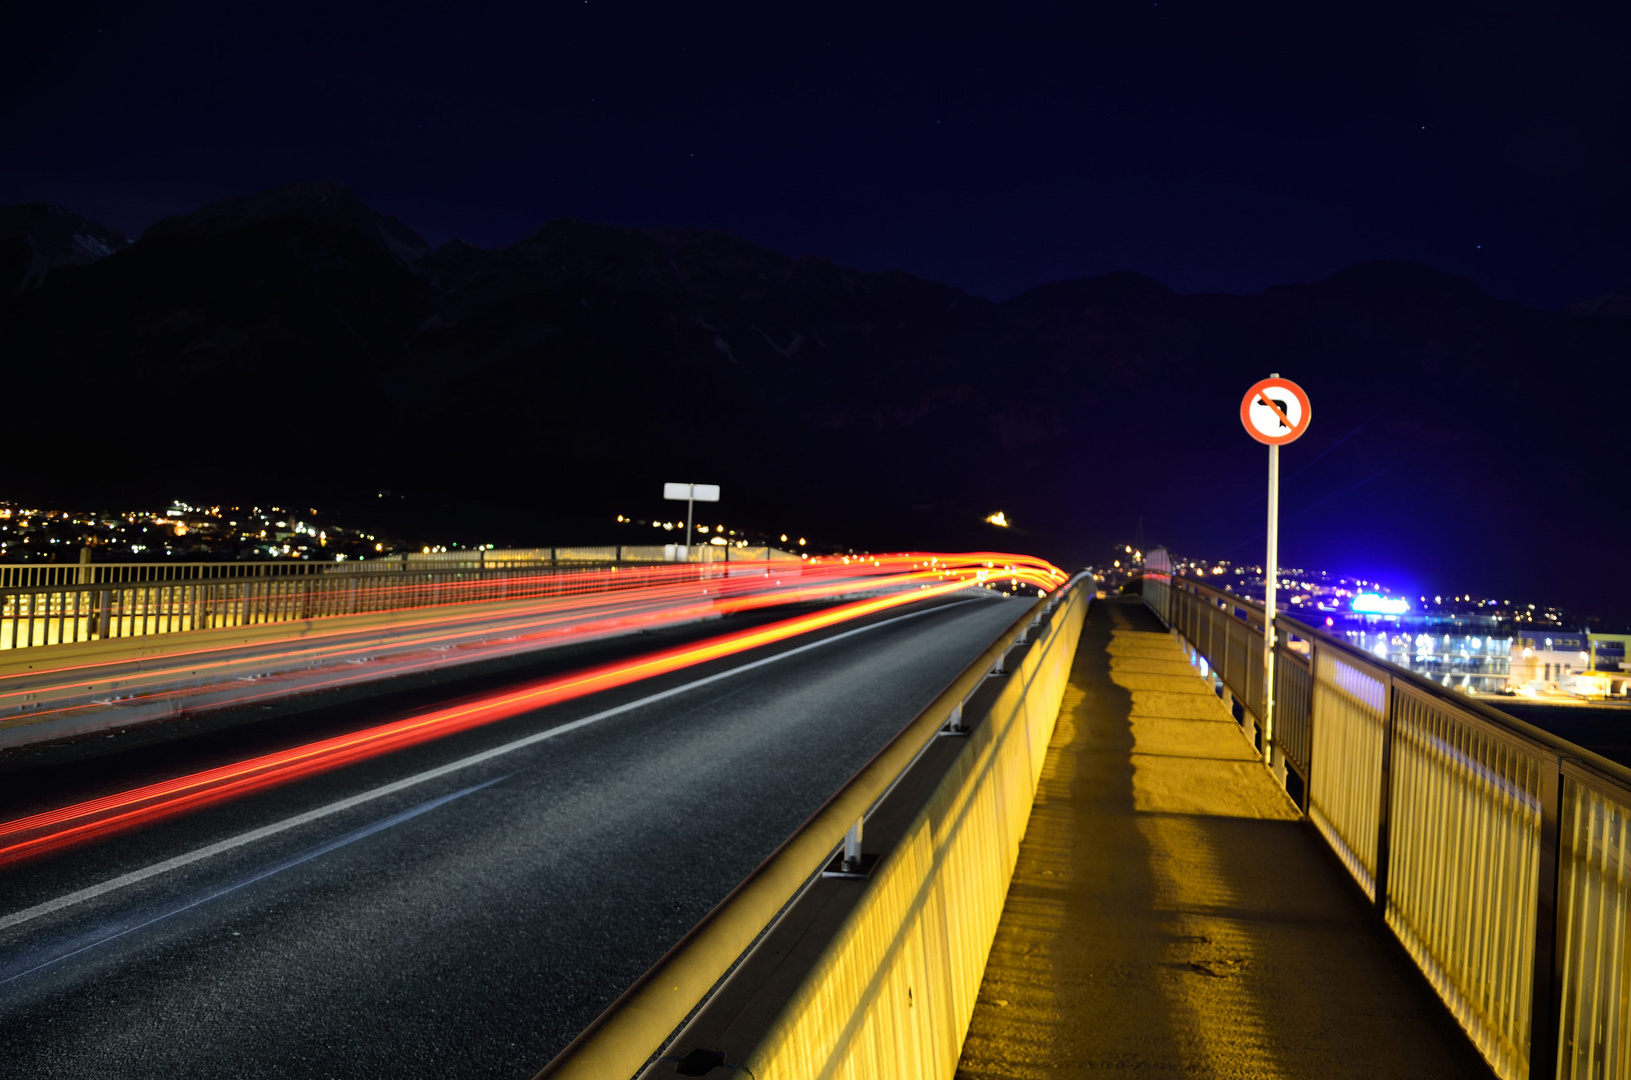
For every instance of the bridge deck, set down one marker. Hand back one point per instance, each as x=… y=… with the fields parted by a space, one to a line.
x=1170 y=914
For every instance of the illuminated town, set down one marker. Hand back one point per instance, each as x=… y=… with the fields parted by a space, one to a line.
x=183 y=531
x=1473 y=643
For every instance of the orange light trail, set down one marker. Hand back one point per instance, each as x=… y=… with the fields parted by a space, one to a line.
x=739 y=587
x=910 y=578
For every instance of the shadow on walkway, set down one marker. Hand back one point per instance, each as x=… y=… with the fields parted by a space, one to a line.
x=1171 y=914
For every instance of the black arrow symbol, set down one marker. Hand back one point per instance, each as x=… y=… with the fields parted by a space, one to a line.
x=1282 y=410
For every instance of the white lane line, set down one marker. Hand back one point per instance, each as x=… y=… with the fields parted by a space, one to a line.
x=93 y=891
x=261 y=875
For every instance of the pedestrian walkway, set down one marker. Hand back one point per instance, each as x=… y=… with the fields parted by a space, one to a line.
x=1171 y=915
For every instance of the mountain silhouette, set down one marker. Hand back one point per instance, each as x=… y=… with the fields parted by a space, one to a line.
x=36 y=238
x=297 y=344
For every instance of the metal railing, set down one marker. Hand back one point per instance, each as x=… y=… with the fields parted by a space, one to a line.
x=40 y=615
x=63 y=603
x=43 y=575
x=1496 y=852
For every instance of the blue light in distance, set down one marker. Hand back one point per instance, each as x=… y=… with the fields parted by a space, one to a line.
x=1370 y=603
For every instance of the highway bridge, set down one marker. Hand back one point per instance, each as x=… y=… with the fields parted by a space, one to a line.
x=917 y=815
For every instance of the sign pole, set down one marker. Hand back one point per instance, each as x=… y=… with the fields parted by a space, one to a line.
x=690 y=504
x=1271 y=581
x=1275 y=412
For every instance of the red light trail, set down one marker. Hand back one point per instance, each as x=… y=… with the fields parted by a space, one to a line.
x=908 y=579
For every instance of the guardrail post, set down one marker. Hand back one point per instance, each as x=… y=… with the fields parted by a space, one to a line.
x=1384 y=811
x=852 y=848
x=1548 y=976
x=104 y=612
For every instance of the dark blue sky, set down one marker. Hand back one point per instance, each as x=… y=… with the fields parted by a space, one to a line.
x=995 y=148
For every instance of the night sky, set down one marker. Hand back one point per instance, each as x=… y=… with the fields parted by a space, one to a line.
x=994 y=149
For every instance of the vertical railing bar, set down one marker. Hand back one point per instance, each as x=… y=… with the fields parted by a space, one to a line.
x=1547 y=967
x=1384 y=814
x=1492 y=832
x=1504 y=846
x=1595 y=1028
x=1461 y=929
x=1599 y=1042
x=1617 y=953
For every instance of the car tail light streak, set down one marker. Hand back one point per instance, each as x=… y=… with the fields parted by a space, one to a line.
x=896 y=580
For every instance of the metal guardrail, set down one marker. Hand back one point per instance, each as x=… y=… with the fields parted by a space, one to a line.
x=1496 y=852
x=642 y=1021
x=42 y=575
x=64 y=603
x=42 y=615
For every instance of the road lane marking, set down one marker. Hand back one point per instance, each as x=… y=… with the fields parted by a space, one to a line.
x=265 y=872
x=133 y=877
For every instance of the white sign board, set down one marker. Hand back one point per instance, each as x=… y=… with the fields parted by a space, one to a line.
x=686 y=492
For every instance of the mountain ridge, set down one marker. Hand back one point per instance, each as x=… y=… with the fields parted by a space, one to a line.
x=340 y=357
x=38 y=238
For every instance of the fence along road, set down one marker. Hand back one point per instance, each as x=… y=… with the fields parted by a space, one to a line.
x=67 y=603
x=72 y=688
x=1495 y=852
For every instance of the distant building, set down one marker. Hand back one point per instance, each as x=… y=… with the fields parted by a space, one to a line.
x=1608 y=651
x=1547 y=658
x=1462 y=652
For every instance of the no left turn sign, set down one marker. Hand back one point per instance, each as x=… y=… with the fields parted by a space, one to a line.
x=1275 y=411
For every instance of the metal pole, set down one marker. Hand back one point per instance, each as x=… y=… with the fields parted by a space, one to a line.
x=852 y=848
x=689 y=503
x=1271 y=579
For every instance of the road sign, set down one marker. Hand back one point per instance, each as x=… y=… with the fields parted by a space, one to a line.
x=690 y=492
x=690 y=495
x=1275 y=411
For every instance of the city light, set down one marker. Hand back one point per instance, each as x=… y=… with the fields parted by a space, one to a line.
x=1376 y=604
x=998 y=519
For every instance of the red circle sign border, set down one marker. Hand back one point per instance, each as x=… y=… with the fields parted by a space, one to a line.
x=1275 y=440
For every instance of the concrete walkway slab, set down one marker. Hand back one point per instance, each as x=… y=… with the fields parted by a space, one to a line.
x=1171 y=915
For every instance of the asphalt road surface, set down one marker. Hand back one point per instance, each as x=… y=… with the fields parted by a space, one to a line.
x=467 y=923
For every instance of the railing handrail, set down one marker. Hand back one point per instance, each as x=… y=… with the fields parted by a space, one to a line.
x=644 y=1016
x=1610 y=769
x=66 y=572
x=422 y=570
